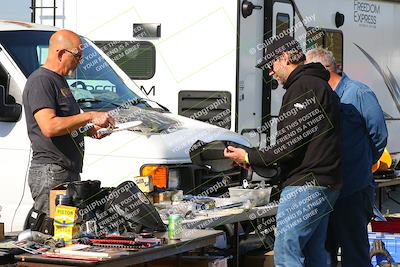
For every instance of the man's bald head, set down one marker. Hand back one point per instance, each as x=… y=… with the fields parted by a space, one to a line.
x=64 y=39
x=65 y=52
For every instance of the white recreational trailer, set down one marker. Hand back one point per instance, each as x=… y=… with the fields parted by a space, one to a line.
x=188 y=54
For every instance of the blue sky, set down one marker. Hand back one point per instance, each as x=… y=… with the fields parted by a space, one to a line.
x=15 y=10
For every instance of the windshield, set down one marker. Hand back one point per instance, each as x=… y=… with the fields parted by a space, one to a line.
x=94 y=84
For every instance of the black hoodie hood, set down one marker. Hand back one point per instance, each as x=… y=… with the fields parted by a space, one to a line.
x=312 y=69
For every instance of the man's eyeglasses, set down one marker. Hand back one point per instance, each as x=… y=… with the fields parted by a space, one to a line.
x=77 y=56
x=271 y=71
x=271 y=68
x=271 y=65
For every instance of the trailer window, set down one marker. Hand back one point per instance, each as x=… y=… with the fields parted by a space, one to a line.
x=334 y=43
x=136 y=59
x=329 y=39
x=315 y=38
x=282 y=22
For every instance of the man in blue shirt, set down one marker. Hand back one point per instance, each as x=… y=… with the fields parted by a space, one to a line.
x=363 y=140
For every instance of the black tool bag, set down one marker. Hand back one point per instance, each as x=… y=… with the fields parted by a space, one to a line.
x=34 y=219
x=39 y=221
x=47 y=226
x=82 y=191
x=132 y=210
x=83 y=195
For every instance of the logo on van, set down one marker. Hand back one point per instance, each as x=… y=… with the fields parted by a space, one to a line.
x=365 y=13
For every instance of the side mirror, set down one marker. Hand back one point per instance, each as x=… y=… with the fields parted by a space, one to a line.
x=211 y=156
x=9 y=110
x=271 y=172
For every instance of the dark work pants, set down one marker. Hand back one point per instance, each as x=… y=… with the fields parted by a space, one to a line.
x=348 y=228
x=42 y=178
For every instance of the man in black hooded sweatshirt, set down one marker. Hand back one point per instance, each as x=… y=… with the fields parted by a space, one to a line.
x=308 y=150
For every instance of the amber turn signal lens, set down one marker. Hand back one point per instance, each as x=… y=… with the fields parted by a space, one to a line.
x=159 y=175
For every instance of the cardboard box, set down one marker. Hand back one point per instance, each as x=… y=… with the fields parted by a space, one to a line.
x=162 y=196
x=260 y=260
x=269 y=259
x=58 y=190
x=64 y=223
x=65 y=215
x=66 y=232
x=144 y=183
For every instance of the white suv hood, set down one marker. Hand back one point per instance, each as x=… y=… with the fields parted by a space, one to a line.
x=171 y=144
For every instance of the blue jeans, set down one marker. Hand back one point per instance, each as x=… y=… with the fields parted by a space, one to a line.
x=301 y=226
x=43 y=177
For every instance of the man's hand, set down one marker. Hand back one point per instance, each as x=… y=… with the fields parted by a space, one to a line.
x=235 y=154
x=102 y=119
x=93 y=132
x=243 y=165
x=51 y=125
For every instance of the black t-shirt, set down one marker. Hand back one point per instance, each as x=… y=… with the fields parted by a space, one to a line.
x=47 y=89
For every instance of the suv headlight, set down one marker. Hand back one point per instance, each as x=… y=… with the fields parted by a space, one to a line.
x=173 y=178
x=162 y=176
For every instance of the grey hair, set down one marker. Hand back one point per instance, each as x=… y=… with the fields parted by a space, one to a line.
x=323 y=56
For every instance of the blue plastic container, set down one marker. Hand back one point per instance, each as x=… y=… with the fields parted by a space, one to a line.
x=392 y=244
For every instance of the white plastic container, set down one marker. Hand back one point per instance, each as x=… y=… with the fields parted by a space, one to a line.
x=258 y=197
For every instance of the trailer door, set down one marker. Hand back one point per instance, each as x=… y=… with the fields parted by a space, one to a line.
x=258 y=103
x=282 y=21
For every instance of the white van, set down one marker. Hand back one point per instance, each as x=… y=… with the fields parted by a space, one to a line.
x=158 y=147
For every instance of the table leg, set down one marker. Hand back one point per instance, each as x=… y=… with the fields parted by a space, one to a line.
x=179 y=260
x=236 y=244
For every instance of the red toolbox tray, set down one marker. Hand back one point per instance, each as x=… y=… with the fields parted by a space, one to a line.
x=392 y=225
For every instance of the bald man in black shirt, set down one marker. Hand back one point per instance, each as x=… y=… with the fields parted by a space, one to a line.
x=53 y=118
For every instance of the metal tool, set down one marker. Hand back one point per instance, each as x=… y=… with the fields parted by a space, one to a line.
x=29 y=250
x=119 y=127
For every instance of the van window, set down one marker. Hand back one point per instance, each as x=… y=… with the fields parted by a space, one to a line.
x=136 y=59
x=329 y=39
x=282 y=22
x=42 y=52
x=12 y=93
x=3 y=77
